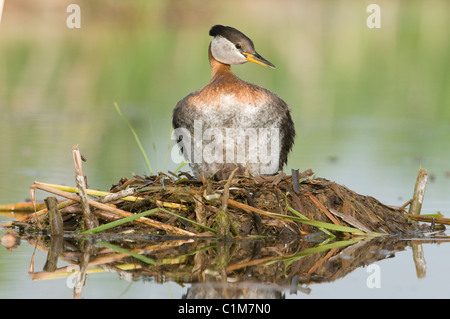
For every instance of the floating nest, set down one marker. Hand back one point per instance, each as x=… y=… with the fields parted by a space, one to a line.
x=282 y=205
x=166 y=227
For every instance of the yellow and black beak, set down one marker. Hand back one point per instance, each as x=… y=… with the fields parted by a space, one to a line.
x=256 y=58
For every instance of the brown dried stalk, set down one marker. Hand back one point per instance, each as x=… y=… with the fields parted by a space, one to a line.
x=90 y=221
x=108 y=208
x=322 y=208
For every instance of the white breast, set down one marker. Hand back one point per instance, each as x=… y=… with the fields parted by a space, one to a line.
x=236 y=132
x=230 y=112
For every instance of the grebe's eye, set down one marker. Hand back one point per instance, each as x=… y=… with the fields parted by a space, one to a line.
x=238 y=46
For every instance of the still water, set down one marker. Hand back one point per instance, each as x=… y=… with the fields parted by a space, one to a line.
x=370 y=108
x=386 y=268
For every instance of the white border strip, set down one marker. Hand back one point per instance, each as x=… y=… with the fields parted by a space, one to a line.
x=2 y=2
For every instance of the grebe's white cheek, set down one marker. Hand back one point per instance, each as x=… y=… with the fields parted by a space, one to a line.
x=225 y=51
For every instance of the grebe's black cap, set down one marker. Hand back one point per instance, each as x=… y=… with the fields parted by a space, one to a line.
x=230 y=33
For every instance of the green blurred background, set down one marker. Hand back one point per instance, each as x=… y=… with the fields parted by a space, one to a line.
x=370 y=105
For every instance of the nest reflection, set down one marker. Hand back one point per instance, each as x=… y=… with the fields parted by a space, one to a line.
x=251 y=268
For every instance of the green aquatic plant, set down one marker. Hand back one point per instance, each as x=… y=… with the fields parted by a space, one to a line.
x=136 y=137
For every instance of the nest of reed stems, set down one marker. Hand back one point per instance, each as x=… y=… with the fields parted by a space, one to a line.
x=241 y=206
x=281 y=205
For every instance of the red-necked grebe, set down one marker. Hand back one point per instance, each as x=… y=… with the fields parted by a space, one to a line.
x=231 y=123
